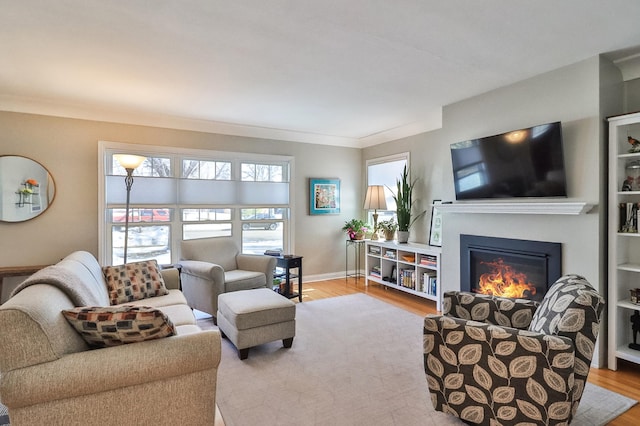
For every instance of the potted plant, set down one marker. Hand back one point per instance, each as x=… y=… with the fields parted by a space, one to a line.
x=356 y=229
x=389 y=227
x=404 y=203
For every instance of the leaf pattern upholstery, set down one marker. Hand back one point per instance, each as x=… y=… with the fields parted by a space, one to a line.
x=489 y=373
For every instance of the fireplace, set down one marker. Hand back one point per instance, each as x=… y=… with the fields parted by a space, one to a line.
x=508 y=267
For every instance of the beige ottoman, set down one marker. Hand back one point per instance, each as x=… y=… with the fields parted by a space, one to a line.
x=252 y=317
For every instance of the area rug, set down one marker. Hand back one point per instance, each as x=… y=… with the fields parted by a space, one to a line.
x=355 y=360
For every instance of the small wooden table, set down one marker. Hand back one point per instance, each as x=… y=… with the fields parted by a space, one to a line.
x=17 y=271
x=288 y=262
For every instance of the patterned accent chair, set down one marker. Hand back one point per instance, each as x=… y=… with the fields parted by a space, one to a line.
x=492 y=360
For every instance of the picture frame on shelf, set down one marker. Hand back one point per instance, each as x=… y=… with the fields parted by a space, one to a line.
x=435 y=230
x=324 y=196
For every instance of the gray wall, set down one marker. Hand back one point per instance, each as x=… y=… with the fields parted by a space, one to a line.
x=68 y=148
x=579 y=96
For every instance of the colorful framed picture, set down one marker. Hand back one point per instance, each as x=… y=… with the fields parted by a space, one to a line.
x=324 y=196
x=435 y=232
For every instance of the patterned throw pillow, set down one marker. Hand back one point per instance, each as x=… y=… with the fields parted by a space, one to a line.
x=118 y=325
x=134 y=281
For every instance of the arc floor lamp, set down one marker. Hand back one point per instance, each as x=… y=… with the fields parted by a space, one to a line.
x=129 y=163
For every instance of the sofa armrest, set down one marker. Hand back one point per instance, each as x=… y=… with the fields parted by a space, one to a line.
x=481 y=371
x=503 y=311
x=171 y=277
x=101 y=370
x=258 y=263
x=206 y=270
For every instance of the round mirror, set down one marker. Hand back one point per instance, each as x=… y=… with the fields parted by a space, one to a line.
x=26 y=188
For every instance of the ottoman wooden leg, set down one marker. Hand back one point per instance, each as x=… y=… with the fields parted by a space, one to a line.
x=287 y=342
x=243 y=353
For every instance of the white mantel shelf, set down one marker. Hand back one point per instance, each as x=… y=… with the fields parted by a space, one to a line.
x=563 y=208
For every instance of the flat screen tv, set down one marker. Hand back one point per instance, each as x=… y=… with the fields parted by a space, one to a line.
x=521 y=163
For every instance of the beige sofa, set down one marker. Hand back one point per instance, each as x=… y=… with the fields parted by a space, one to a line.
x=50 y=376
x=213 y=266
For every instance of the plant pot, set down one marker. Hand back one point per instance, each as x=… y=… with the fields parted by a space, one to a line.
x=403 y=236
x=388 y=235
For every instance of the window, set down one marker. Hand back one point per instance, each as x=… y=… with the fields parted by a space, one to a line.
x=185 y=194
x=386 y=171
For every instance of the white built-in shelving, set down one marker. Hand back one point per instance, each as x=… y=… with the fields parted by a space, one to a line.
x=624 y=247
x=412 y=268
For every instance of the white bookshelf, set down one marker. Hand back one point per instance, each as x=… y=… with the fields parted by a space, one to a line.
x=412 y=268
x=624 y=247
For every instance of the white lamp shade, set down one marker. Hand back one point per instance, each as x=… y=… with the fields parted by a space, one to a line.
x=375 y=198
x=128 y=161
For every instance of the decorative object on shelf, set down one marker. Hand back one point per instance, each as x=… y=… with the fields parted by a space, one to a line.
x=626 y=185
x=435 y=231
x=632 y=170
x=356 y=229
x=374 y=200
x=635 y=144
x=628 y=213
x=404 y=203
x=324 y=196
x=634 y=295
x=389 y=227
x=635 y=327
x=129 y=163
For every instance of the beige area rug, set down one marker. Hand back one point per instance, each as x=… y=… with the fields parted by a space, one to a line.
x=355 y=360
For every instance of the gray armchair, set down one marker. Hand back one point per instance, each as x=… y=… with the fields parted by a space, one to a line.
x=212 y=266
x=491 y=360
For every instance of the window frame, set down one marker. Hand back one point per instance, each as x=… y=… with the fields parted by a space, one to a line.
x=107 y=148
x=402 y=156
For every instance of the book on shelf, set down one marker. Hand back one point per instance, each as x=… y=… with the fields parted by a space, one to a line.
x=429 y=282
x=408 y=278
x=427 y=260
x=375 y=272
x=374 y=250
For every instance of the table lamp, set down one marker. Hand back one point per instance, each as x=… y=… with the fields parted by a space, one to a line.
x=374 y=200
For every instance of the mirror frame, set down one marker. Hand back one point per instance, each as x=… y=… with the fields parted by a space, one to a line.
x=51 y=189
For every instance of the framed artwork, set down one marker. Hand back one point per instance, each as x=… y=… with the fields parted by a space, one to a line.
x=435 y=231
x=324 y=196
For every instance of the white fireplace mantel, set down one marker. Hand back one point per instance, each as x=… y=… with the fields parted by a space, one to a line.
x=542 y=207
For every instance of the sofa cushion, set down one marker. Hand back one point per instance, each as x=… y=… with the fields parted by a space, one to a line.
x=118 y=325
x=134 y=281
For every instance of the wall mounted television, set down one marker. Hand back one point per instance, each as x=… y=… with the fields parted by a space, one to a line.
x=521 y=163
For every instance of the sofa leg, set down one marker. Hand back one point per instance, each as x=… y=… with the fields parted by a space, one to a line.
x=215 y=320
x=287 y=342
x=224 y=336
x=243 y=353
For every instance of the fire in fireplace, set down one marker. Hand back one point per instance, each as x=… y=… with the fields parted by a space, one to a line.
x=508 y=267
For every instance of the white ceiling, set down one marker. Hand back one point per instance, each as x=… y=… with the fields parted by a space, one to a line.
x=341 y=72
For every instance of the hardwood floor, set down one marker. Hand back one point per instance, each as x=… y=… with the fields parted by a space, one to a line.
x=625 y=381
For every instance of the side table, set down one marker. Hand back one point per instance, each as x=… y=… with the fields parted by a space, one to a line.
x=286 y=263
x=357 y=246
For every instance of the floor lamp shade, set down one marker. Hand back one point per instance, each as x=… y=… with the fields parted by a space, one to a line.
x=129 y=163
x=375 y=200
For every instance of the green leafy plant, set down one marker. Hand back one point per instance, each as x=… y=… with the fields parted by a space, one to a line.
x=354 y=227
x=404 y=201
x=388 y=225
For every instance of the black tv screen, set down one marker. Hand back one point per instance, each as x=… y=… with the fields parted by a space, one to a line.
x=521 y=163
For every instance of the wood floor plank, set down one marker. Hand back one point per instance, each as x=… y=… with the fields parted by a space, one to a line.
x=625 y=381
